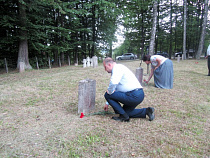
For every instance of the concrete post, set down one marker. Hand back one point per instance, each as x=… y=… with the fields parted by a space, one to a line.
x=139 y=74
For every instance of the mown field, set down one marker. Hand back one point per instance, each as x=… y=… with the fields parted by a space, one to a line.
x=38 y=115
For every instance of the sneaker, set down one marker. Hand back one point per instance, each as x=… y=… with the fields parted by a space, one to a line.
x=150 y=113
x=122 y=118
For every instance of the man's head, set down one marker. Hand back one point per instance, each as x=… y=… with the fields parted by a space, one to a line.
x=108 y=64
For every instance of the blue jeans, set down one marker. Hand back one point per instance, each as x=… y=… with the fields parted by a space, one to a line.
x=129 y=100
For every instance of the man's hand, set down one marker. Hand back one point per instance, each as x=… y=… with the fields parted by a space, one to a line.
x=106 y=107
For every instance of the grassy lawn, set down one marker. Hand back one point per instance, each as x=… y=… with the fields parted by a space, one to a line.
x=38 y=115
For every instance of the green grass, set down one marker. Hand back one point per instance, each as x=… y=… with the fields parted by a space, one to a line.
x=38 y=115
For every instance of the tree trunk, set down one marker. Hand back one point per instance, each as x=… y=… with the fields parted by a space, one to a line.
x=153 y=32
x=171 y=33
x=23 y=43
x=93 y=31
x=184 y=33
x=203 y=33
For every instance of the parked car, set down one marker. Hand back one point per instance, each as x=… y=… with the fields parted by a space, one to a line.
x=126 y=56
x=190 y=52
x=163 y=54
x=178 y=53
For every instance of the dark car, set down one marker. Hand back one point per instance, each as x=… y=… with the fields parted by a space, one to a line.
x=178 y=53
x=163 y=54
x=189 y=52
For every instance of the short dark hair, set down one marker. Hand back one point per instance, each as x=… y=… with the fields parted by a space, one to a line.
x=108 y=60
x=146 y=57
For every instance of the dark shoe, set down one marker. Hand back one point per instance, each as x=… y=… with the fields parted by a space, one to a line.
x=122 y=118
x=150 y=113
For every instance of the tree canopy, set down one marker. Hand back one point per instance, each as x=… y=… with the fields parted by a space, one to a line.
x=80 y=28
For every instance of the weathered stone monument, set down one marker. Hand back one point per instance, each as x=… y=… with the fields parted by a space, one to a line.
x=95 y=61
x=84 y=63
x=91 y=62
x=88 y=61
x=86 y=96
x=139 y=74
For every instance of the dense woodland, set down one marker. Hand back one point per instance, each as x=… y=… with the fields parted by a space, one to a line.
x=58 y=29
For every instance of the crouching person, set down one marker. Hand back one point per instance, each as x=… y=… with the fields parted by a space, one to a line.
x=124 y=88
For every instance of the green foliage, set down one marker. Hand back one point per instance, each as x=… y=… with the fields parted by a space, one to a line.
x=55 y=27
x=78 y=27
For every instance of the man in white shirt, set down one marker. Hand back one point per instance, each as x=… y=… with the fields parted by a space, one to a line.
x=208 y=59
x=124 y=88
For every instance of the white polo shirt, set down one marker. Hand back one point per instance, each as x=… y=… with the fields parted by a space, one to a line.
x=122 y=80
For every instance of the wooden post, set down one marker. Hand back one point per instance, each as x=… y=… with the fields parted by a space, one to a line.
x=49 y=62
x=69 y=61
x=37 y=64
x=139 y=74
x=59 y=60
x=6 y=64
x=86 y=96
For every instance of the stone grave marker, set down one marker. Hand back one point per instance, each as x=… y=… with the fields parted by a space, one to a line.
x=88 y=61
x=86 y=96
x=84 y=63
x=95 y=61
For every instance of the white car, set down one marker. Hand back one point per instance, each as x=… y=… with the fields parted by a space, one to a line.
x=126 y=56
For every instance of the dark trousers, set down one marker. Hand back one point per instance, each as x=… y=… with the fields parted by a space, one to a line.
x=129 y=100
x=208 y=64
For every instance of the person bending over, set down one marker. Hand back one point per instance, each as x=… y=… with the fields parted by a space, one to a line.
x=124 y=88
x=162 y=69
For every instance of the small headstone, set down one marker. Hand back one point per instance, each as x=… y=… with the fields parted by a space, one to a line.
x=95 y=61
x=91 y=62
x=178 y=58
x=86 y=96
x=84 y=63
x=88 y=61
